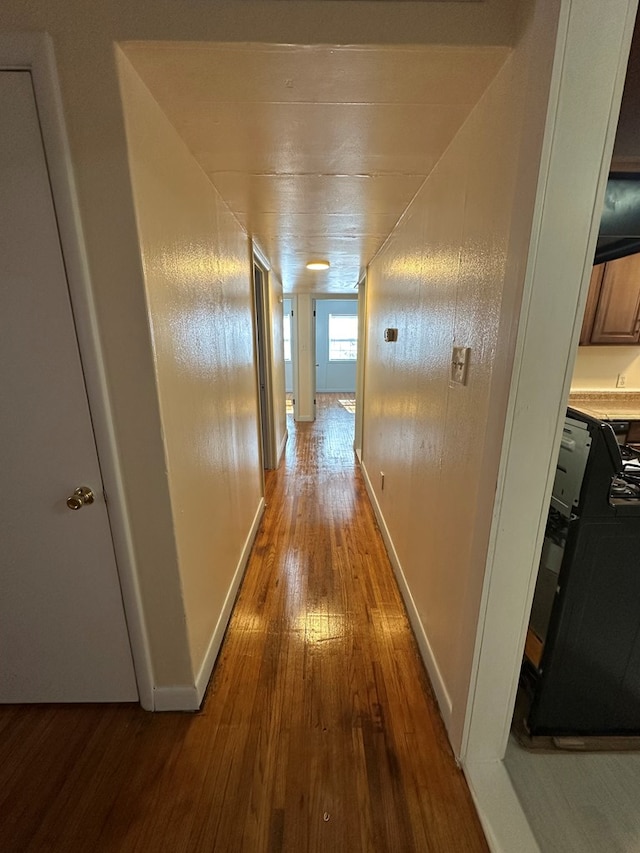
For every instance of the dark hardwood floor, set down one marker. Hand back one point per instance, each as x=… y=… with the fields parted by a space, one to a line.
x=319 y=731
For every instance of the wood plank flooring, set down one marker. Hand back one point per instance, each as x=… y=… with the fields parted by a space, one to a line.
x=319 y=731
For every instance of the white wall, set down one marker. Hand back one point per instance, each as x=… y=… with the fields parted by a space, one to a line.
x=451 y=274
x=197 y=272
x=597 y=368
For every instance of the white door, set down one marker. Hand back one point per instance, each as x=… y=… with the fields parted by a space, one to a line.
x=63 y=635
x=287 y=317
x=336 y=345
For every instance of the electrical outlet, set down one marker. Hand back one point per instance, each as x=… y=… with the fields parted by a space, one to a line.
x=622 y=380
x=459 y=364
x=382 y=481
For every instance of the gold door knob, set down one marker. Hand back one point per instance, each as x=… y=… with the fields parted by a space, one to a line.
x=82 y=495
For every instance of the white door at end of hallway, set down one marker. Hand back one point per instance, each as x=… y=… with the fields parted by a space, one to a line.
x=287 y=319
x=63 y=634
x=336 y=327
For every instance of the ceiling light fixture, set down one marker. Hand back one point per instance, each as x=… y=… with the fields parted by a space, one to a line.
x=318 y=265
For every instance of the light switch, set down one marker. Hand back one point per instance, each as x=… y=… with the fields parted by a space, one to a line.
x=459 y=364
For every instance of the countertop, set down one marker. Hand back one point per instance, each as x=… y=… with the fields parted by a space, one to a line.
x=608 y=405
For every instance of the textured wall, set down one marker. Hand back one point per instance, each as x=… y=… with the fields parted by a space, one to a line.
x=198 y=283
x=451 y=274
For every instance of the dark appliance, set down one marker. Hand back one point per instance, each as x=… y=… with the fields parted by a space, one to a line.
x=619 y=233
x=582 y=659
x=621 y=430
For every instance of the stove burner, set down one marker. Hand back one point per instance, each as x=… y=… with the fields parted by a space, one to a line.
x=624 y=489
x=628 y=453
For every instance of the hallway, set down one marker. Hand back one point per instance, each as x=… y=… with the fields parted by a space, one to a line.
x=318 y=733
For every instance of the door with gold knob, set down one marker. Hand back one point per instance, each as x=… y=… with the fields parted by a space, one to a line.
x=63 y=634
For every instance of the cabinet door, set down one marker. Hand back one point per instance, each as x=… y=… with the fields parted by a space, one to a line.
x=617 y=314
x=633 y=435
x=592 y=304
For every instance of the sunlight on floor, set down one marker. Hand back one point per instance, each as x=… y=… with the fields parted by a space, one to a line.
x=348 y=404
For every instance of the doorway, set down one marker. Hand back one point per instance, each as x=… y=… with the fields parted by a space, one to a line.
x=335 y=327
x=263 y=364
x=543 y=754
x=336 y=322
x=289 y=353
x=589 y=72
x=287 y=317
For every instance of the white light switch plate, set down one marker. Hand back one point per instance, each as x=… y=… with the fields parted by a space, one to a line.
x=459 y=365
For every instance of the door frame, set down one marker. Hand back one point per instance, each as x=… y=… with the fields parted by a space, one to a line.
x=34 y=52
x=362 y=355
x=592 y=47
x=264 y=357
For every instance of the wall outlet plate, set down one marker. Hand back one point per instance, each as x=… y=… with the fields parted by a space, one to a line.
x=390 y=335
x=459 y=365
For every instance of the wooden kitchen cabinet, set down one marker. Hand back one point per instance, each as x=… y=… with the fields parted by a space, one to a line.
x=633 y=435
x=592 y=304
x=612 y=314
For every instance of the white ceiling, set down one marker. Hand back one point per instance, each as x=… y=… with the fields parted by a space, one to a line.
x=317 y=150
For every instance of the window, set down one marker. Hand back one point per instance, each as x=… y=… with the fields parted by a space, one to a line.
x=343 y=337
x=287 y=335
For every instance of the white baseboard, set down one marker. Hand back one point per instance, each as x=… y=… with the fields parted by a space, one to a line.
x=305 y=419
x=180 y=697
x=442 y=695
x=206 y=668
x=283 y=444
x=503 y=820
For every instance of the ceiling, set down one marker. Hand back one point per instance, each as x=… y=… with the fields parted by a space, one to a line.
x=317 y=150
